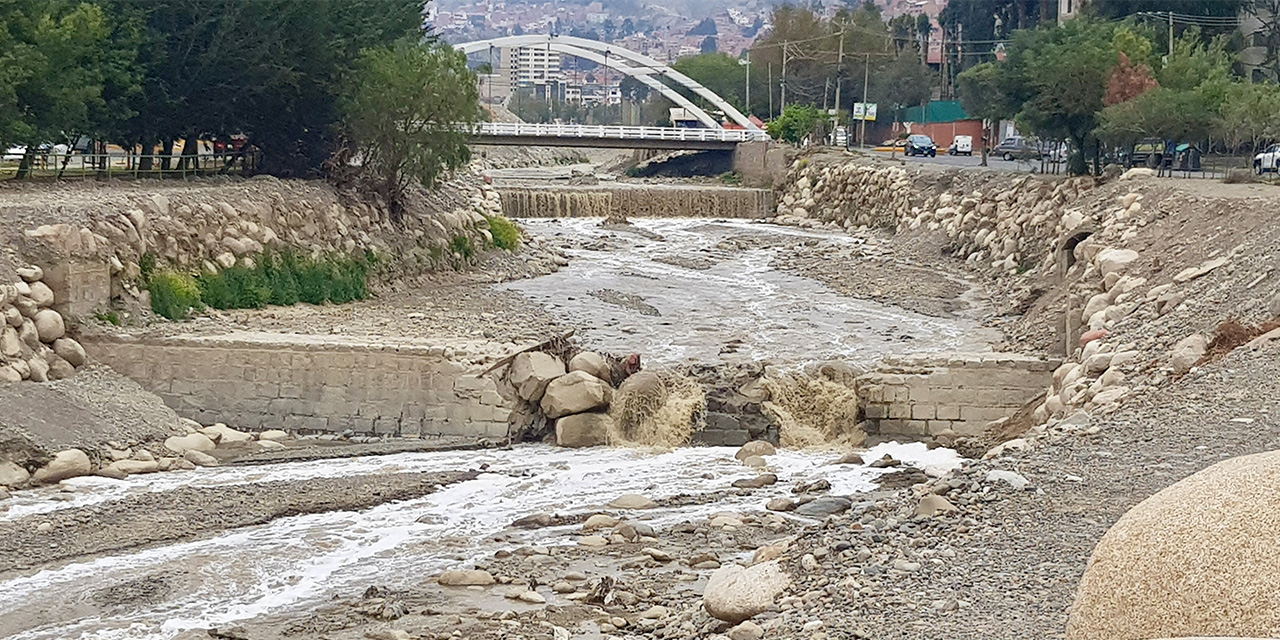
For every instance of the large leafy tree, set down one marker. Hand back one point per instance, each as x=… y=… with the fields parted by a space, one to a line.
x=406 y=110
x=54 y=63
x=981 y=95
x=978 y=24
x=266 y=68
x=1059 y=76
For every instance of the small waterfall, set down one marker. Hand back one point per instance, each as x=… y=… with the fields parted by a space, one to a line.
x=636 y=202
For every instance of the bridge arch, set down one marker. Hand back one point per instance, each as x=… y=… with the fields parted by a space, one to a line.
x=635 y=65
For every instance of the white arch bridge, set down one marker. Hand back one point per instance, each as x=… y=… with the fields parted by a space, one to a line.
x=644 y=69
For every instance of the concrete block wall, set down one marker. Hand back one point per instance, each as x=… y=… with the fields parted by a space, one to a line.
x=920 y=396
x=303 y=384
x=80 y=286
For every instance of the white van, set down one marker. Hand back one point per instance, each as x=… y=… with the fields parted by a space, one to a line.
x=961 y=146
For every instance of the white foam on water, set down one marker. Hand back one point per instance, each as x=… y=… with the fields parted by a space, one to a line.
x=294 y=562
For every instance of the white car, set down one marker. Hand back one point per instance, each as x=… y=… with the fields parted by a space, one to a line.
x=1267 y=161
x=961 y=146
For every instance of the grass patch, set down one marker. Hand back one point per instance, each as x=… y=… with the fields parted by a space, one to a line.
x=506 y=235
x=174 y=295
x=108 y=317
x=280 y=278
x=463 y=246
x=731 y=178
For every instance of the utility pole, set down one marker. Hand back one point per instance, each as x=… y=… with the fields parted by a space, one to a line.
x=1171 y=35
x=783 y=104
x=862 y=124
x=835 y=119
x=770 y=90
x=748 y=83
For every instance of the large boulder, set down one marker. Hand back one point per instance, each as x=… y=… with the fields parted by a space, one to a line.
x=755 y=448
x=222 y=434
x=1196 y=559
x=71 y=463
x=1114 y=260
x=577 y=392
x=41 y=294
x=49 y=325
x=592 y=363
x=191 y=442
x=466 y=578
x=1188 y=352
x=583 y=430
x=531 y=373
x=131 y=467
x=70 y=350
x=12 y=475
x=734 y=593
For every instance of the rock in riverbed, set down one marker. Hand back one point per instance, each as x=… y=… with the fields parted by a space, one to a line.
x=71 y=463
x=734 y=594
x=466 y=578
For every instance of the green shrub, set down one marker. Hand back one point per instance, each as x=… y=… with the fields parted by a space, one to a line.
x=173 y=295
x=506 y=235
x=462 y=246
x=278 y=277
x=314 y=279
x=236 y=288
x=279 y=272
x=108 y=317
x=147 y=266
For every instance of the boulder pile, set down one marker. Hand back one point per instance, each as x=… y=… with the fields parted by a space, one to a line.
x=1008 y=225
x=576 y=398
x=34 y=344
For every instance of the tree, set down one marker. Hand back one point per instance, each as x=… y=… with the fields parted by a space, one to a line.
x=708 y=45
x=1059 y=76
x=55 y=63
x=980 y=95
x=1128 y=81
x=984 y=21
x=407 y=110
x=795 y=124
x=901 y=82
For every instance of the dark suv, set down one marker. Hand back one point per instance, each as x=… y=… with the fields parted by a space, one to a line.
x=921 y=145
x=1017 y=148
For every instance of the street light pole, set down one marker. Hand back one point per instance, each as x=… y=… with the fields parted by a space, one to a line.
x=748 y=83
x=862 y=124
x=835 y=119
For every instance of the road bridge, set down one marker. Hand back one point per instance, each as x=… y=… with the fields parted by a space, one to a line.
x=594 y=136
x=648 y=72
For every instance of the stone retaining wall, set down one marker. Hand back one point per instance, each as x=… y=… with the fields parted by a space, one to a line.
x=304 y=384
x=926 y=395
x=636 y=202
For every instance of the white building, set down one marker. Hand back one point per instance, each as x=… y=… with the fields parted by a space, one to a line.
x=533 y=66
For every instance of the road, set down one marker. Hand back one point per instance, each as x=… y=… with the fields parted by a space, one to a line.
x=993 y=163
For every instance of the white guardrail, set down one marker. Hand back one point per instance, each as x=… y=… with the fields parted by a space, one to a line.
x=678 y=134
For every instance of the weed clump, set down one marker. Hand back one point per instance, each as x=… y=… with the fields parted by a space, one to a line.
x=280 y=278
x=174 y=295
x=506 y=235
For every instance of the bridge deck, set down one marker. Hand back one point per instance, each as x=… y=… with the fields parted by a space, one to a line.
x=570 y=135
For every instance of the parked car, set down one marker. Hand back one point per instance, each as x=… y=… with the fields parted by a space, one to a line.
x=1148 y=151
x=921 y=145
x=1017 y=148
x=961 y=146
x=1268 y=161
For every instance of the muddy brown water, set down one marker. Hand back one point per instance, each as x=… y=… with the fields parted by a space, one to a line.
x=669 y=293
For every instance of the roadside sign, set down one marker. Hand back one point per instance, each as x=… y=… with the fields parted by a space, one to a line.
x=864 y=111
